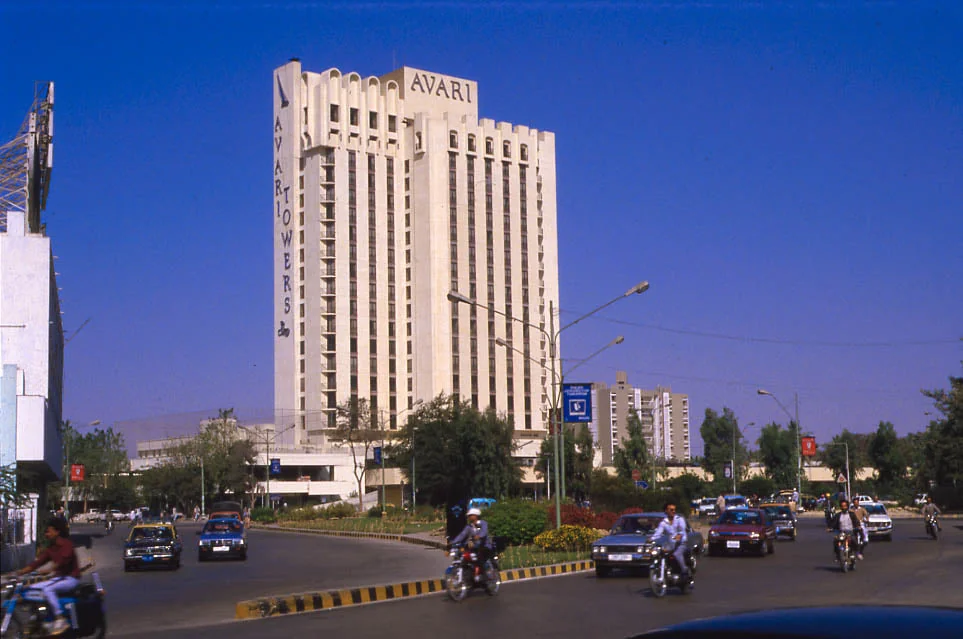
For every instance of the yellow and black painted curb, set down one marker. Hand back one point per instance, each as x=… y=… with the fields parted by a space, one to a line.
x=314 y=601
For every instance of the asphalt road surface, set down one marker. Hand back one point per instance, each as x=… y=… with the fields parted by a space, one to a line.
x=909 y=570
x=278 y=563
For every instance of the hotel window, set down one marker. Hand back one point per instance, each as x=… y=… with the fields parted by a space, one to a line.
x=471 y=143
x=392 y=124
x=353 y=117
x=507 y=149
x=335 y=113
x=372 y=119
x=453 y=139
x=524 y=153
x=489 y=146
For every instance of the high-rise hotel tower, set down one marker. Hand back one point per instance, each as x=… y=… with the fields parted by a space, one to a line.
x=389 y=193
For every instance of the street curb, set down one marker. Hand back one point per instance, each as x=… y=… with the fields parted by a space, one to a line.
x=408 y=539
x=327 y=600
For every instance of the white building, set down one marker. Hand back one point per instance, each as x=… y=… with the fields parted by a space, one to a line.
x=31 y=332
x=390 y=192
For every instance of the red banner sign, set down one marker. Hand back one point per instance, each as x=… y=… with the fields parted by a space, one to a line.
x=809 y=446
x=76 y=472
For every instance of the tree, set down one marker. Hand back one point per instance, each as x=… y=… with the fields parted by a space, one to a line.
x=459 y=452
x=943 y=440
x=578 y=454
x=357 y=428
x=887 y=456
x=718 y=434
x=777 y=452
x=833 y=454
x=103 y=454
x=633 y=453
x=227 y=457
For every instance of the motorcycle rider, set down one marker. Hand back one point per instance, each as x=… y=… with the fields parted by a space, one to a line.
x=931 y=509
x=845 y=521
x=476 y=532
x=863 y=518
x=673 y=526
x=66 y=570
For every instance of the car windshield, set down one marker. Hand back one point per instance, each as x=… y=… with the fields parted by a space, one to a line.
x=222 y=527
x=778 y=511
x=875 y=509
x=637 y=525
x=740 y=517
x=708 y=501
x=154 y=532
x=735 y=502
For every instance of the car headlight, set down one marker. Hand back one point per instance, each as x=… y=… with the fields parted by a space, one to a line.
x=241 y=542
x=713 y=533
x=640 y=549
x=204 y=542
x=654 y=550
x=600 y=549
x=754 y=535
x=129 y=552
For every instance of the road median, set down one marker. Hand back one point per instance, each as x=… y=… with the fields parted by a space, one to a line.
x=265 y=607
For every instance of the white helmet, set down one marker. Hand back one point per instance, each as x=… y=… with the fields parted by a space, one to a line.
x=474 y=511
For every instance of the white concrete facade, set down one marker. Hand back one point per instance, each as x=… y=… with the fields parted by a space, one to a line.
x=389 y=192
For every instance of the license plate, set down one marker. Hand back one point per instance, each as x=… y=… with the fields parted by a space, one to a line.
x=620 y=557
x=148 y=557
x=732 y=544
x=221 y=548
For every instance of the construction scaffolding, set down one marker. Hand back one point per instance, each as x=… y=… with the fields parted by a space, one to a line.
x=26 y=162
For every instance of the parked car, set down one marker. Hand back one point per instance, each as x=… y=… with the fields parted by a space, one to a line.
x=628 y=544
x=879 y=523
x=783 y=519
x=152 y=545
x=742 y=529
x=224 y=537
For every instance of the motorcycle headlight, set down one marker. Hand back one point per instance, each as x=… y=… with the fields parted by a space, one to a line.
x=654 y=551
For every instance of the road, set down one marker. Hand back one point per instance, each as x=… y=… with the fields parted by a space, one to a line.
x=909 y=570
x=278 y=563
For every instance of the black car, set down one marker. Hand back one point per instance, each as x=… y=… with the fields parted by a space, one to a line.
x=782 y=518
x=222 y=537
x=152 y=545
x=629 y=543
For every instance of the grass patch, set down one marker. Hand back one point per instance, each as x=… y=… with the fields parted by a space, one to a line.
x=365 y=524
x=531 y=556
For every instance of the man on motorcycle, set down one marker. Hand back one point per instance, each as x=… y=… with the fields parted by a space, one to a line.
x=863 y=517
x=931 y=509
x=845 y=521
x=476 y=531
x=66 y=570
x=673 y=526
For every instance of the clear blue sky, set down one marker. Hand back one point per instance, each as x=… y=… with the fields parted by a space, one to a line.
x=786 y=175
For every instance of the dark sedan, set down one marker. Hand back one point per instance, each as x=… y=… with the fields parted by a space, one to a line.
x=782 y=518
x=152 y=545
x=222 y=538
x=628 y=544
x=742 y=529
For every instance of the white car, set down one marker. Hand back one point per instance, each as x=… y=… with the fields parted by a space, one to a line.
x=879 y=524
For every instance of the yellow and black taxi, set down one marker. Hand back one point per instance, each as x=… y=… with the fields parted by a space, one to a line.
x=152 y=544
x=223 y=537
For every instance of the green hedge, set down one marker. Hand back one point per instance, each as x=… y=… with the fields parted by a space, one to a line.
x=264 y=515
x=517 y=520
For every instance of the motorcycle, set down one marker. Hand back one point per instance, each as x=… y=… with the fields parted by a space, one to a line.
x=465 y=573
x=26 y=611
x=108 y=524
x=664 y=570
x=843 y=546
x=932 y=527
x=830 y=513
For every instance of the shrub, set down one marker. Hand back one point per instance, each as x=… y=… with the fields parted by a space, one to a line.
x=568 y=538
x=338 y=510
x=263 y=515
x=301 y=514
x=519 y=521
x=605 y=520
x=375 y=512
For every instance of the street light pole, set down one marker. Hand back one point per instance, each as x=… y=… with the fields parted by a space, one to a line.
x=552 y=336
x=849 y=494
x=797 y=434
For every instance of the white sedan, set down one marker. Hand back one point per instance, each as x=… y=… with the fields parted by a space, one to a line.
x=879 y=523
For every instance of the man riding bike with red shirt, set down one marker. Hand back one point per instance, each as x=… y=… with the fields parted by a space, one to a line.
x=66 y=570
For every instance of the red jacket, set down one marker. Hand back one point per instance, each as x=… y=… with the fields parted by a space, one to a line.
x=61 y=553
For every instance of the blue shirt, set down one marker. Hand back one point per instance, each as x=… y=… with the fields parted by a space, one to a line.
x=671 y=527
x=477 y=531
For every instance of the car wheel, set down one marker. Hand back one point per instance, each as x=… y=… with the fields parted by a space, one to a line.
x=602 y=571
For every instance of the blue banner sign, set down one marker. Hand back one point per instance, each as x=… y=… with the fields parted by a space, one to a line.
x=275 y=467
x=577 y=403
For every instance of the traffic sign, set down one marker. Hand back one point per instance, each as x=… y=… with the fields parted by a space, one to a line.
x=275 y=467
x=727 y=470
x=76 y=472
x=641 y=483
x=577 y=403
x=841 y=479
x=636 y=474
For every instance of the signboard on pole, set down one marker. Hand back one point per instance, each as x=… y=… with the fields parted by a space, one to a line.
x=275 y=467
x=841 y=479
x=577 y=403
x=636 y=474
x=76 y=472
x=641 y=484
x=809 y=446
x=377 y=455
x=727 y=470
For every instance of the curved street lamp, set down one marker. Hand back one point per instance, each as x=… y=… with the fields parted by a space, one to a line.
x=552 y=336
x=798 y=442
